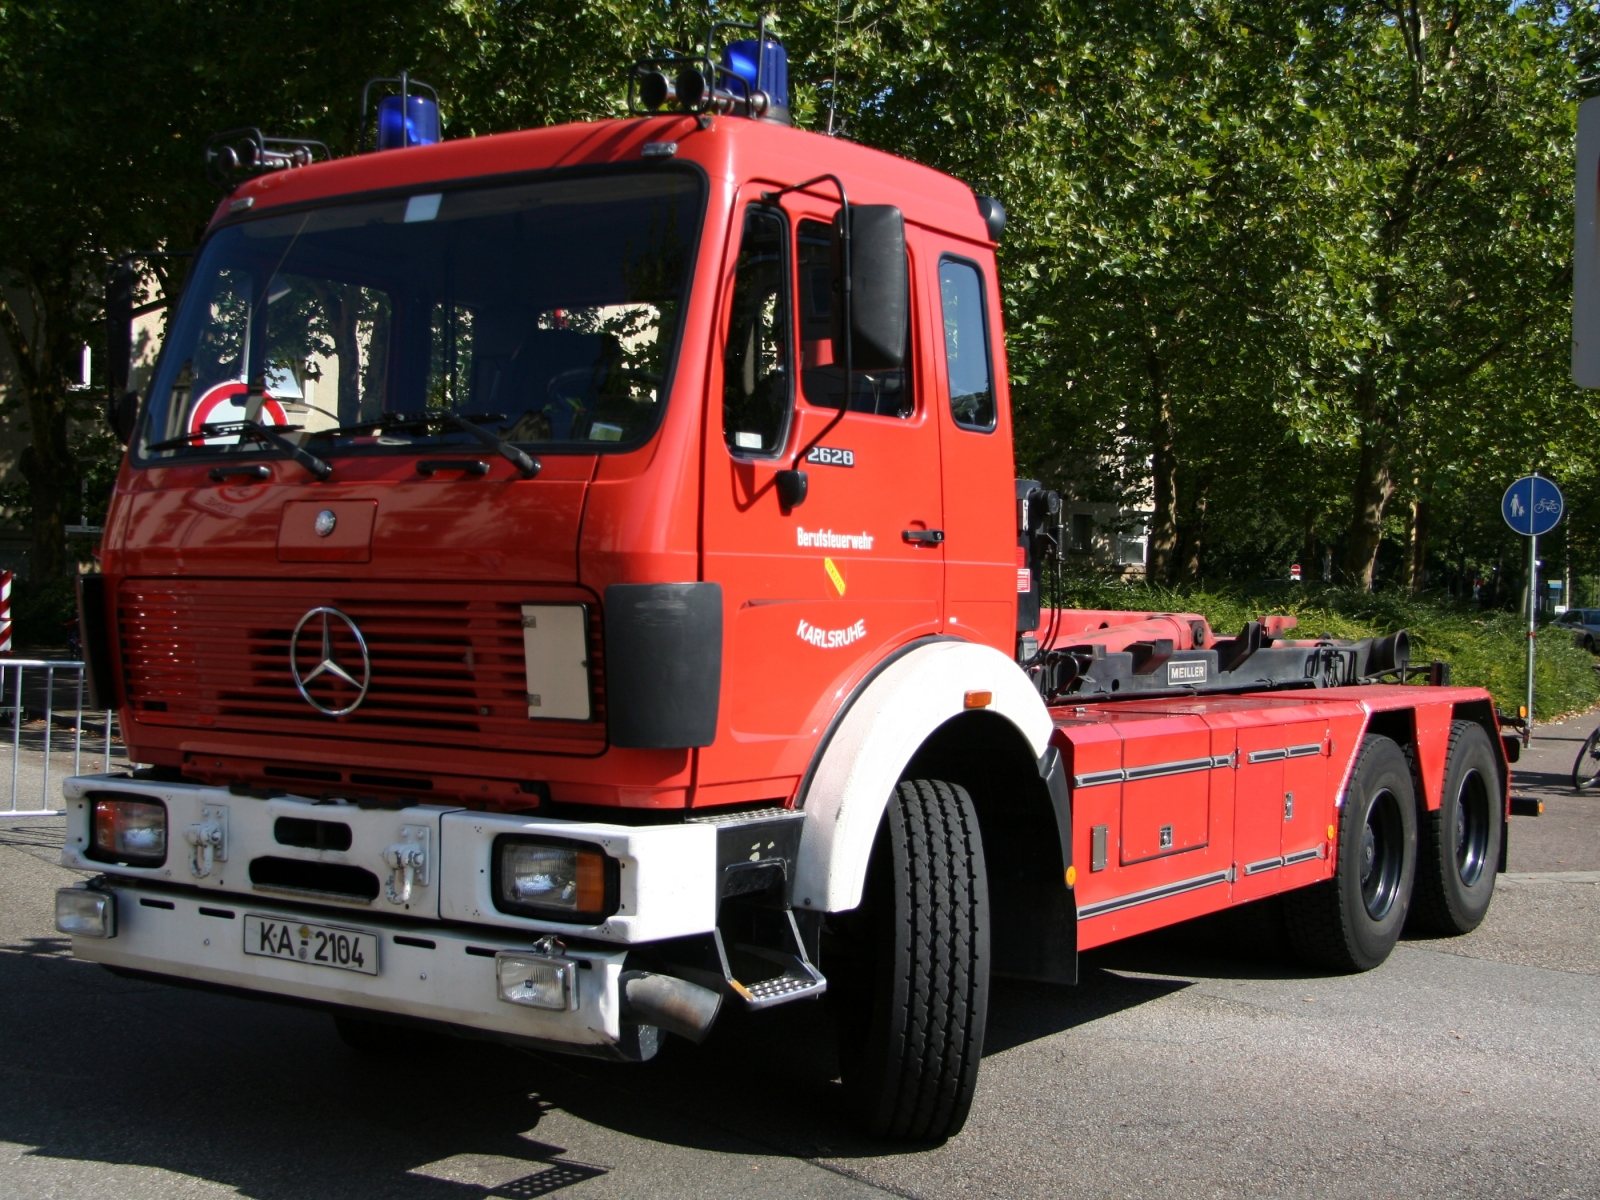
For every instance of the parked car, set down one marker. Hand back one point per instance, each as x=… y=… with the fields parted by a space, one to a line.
x=1585 y=626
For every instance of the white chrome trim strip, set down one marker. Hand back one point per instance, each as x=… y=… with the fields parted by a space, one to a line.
x=1097 y=778
x=1266 y=864
x=1181 y=766
x=1118 y=903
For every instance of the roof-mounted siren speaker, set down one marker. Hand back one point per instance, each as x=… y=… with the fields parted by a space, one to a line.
x=405 y=118
x=236 y=154
x=751 y=80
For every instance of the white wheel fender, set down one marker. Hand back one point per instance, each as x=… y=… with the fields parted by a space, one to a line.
x=871 y=746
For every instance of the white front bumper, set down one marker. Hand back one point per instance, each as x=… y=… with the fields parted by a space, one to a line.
x=201 y=939
x=184 y=919
x=667 y=877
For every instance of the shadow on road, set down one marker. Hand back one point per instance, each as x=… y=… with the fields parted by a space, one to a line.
x=265 y=1099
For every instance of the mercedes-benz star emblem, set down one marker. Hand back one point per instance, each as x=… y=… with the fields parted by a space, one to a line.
x=327 y=664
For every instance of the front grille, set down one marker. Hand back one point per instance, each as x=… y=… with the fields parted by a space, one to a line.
x=447 y=662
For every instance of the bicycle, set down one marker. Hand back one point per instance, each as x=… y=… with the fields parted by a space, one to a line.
x=1586 y=767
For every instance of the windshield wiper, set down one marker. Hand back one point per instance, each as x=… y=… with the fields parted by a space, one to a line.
x=526 y=465
x=257 y=432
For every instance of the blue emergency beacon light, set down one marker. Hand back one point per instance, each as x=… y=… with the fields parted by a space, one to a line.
x=406 y=119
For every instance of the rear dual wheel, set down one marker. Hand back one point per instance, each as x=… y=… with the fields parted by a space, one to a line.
x=1352 y=921
x=1460 y=842
x=913 y=996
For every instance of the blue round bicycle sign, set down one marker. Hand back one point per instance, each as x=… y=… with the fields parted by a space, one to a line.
x=1532 y=505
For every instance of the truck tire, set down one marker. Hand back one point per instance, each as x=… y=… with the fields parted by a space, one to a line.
x=911 y=1026
x=1460 y=843
x=1352 y=921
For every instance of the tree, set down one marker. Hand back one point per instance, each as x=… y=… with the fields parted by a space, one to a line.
x=1435 y=215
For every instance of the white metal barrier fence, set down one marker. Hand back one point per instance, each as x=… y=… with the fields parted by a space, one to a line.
x=14 y=701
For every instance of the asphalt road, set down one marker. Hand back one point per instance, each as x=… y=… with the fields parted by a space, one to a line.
x=1197 y=1062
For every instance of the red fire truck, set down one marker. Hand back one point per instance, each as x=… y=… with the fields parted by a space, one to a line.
x=565 y=582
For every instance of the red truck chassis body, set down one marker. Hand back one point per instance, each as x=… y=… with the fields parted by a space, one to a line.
x=860 y=637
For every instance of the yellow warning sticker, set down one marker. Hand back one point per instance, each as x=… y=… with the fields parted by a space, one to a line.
x=834 y=574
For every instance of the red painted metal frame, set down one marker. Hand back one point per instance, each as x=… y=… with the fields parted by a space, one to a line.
x=682 y=507
x=1234 y=814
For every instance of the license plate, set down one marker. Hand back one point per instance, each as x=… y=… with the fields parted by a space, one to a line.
x=319 y=945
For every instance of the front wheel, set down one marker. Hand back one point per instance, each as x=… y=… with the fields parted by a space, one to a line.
x=1352 y=921
x=1586 y=767
x=912 y=1015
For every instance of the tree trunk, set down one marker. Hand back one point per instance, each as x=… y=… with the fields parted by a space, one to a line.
x=1308 y=545
x=1161 y=562
x=47 y=464
x=1415 y=570
x=1191 y=539
x=1374 y=485
x=43 y=342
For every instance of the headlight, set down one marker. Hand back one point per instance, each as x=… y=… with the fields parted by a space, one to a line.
x=130 y=832
x=536 y=982
x=82 y=913
x=560 y=881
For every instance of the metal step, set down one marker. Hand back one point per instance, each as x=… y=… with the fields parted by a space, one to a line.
x=799 y=980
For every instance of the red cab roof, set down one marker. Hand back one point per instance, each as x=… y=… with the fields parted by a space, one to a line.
x=733 y=150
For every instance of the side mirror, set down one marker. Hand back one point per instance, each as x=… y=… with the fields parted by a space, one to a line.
x=120 y=286
x=792 y=488
x=878 y=289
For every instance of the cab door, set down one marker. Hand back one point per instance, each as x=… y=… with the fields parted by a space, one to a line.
x=982 y=567
x=815 y=594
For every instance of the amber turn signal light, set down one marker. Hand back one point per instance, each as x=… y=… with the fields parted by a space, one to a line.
x=979 y=699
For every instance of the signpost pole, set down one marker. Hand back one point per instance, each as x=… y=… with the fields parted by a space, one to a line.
x=1533 y=628
x=1532 y=505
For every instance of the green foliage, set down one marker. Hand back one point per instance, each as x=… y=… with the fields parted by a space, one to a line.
x=1485 y=648
x=1290 y=274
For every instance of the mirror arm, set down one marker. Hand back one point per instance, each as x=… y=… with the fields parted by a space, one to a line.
x=849 y=359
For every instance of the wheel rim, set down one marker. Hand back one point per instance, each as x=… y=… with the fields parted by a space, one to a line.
x=1381 y=855
x=1472 y=828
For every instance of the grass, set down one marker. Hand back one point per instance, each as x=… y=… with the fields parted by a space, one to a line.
x=1485 y=648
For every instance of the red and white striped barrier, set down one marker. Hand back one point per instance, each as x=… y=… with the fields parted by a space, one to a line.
x=5 y=611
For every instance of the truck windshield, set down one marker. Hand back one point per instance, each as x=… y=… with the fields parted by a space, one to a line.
x=546 y=312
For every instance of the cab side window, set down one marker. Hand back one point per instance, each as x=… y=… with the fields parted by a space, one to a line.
x=966 y=345
x=885 y=393
x=756 y=374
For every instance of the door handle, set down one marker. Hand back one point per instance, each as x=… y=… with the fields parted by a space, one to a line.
x=928 y=537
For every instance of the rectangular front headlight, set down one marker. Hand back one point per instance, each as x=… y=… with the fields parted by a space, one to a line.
x=130 y=832
x=562 y=881
x=82 y=913
x=536 y=982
